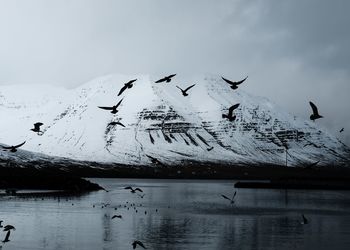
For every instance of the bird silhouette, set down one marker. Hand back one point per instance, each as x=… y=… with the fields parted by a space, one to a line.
x=210 y=149
x=232 y=201
x=305 y=221
x=127 y=85
x=132 y=190
x=234 y=84
x=137 y=242
x=230 y=115
x=184 y=92
x=1 y=221
x=315 y=115
x=117 y=216
x=7 y=237
x=141 y=195
x=113 y=108
x=116 y=123
x=166 y=79
x=14 y=148
x=37 y=127
x=340 y=131
x=9 y=227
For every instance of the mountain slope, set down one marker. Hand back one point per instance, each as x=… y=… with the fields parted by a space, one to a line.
x=161 y=123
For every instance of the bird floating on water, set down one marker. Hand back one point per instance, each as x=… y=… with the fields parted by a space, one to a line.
x=14 y=148
x=184 y=91
x=127 y=85
x=230 y=115
x=234 y=84
x=315 y=115
x=305 y=221
x=113 y=108
x=36 y=128
x=137 y=242
x=166 y=79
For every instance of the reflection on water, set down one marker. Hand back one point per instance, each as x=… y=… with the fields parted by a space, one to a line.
x=179 y=215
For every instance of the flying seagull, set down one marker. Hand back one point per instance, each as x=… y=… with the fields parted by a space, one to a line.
x=14 y=148
x=127 y=85
x=9 y=227
x=113 y=108
x=234 y=84
x=230 y=115
x=305 y=221
x=315 y=114
x=166 y=79
x=116 y=123
x=184 y=92
x=7 y=237
x=132 y=190
x=37 y=127
x=137 y=242
x=231 y=200
x=341 y=130
x=117 y=216
x=210 y=149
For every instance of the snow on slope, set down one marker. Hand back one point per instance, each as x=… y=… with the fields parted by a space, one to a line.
x=182 y=128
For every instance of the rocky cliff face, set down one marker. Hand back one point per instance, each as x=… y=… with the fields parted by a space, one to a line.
x=161 y=123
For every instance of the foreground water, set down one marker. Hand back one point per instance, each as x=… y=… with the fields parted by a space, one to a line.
x=179 y=215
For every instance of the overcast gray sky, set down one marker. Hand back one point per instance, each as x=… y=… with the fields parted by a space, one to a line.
x=293 y=51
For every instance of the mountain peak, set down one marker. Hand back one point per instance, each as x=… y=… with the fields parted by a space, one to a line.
x=163 y=124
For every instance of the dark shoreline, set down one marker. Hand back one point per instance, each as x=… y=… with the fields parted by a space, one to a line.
x=71 y=178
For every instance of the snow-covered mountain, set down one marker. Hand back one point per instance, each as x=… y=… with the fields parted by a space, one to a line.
x=161 y=123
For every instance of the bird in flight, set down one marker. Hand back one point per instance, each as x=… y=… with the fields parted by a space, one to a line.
x=14 y=148
x=341 y=130
x=9 y=227
x=230 y=115
x=36 y=128
x=234 y=84
x=116 y=123
x=117 y=216
x=315 y=115
x=166 y=79
x=7 y=237
x=137 y=242
x=184 y=92
x=132 y=190
x=113 y=108
x=1 y=221
x=210 y=149
x=127 y=85
x=305 y=221
x=232 y=201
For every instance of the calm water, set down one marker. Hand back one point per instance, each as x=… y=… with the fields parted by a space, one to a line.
x=179 y=215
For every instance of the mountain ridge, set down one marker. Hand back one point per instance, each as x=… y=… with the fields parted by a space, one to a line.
x=182 y=128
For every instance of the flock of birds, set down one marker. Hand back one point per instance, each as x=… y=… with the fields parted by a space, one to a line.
x=128 y=85
x=230 y=116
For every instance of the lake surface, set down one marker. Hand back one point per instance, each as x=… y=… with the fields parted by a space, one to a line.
x=178 y=214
